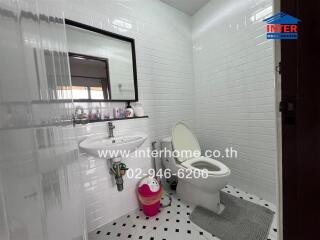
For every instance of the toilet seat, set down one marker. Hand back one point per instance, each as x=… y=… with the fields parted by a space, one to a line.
x=184 y=139
x=214 y=167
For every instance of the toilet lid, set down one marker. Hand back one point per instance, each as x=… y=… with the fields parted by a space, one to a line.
x=184 y=142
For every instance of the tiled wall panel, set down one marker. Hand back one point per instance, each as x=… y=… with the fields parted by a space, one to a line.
x=235 y=95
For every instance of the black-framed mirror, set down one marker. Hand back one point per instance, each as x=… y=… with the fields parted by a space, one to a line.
x=102 y=64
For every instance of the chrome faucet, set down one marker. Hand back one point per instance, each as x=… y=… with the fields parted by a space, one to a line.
x=111 y=127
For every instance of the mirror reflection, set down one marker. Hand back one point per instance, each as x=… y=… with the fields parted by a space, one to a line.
x=102 y=64
x=89 y=77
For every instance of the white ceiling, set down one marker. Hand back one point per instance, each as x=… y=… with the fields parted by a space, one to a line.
x=190 y=7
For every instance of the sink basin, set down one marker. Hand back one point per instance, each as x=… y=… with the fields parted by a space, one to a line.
x=103 y=147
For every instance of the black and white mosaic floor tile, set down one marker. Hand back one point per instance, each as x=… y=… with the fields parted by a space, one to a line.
x=172 y=223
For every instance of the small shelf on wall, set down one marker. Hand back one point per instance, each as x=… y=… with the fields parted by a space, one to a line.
x=85 y=121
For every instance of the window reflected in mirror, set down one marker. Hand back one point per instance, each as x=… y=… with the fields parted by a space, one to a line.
x=89 y=77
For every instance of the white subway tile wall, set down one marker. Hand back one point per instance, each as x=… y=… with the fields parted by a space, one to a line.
x=235 y=93
x=166 y=90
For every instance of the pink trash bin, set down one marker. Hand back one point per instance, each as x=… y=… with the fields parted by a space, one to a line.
x=149 y=194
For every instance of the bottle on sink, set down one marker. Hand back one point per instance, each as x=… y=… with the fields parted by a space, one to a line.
x=129 y=111
x=116 y=112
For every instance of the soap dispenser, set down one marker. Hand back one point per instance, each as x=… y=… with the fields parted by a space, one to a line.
x=129 y=111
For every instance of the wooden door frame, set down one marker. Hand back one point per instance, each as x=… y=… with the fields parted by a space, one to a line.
x=300 y=88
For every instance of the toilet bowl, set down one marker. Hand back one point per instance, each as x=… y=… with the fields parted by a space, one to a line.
x=203 y=191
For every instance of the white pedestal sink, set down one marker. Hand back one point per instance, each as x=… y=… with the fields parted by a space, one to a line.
x=107 y=148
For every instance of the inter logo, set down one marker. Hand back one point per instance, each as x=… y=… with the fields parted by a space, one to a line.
x=282 y=26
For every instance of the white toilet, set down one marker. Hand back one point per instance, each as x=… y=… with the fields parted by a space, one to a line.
x=201 y=191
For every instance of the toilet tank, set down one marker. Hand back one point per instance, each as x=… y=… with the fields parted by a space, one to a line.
x=167 y=162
